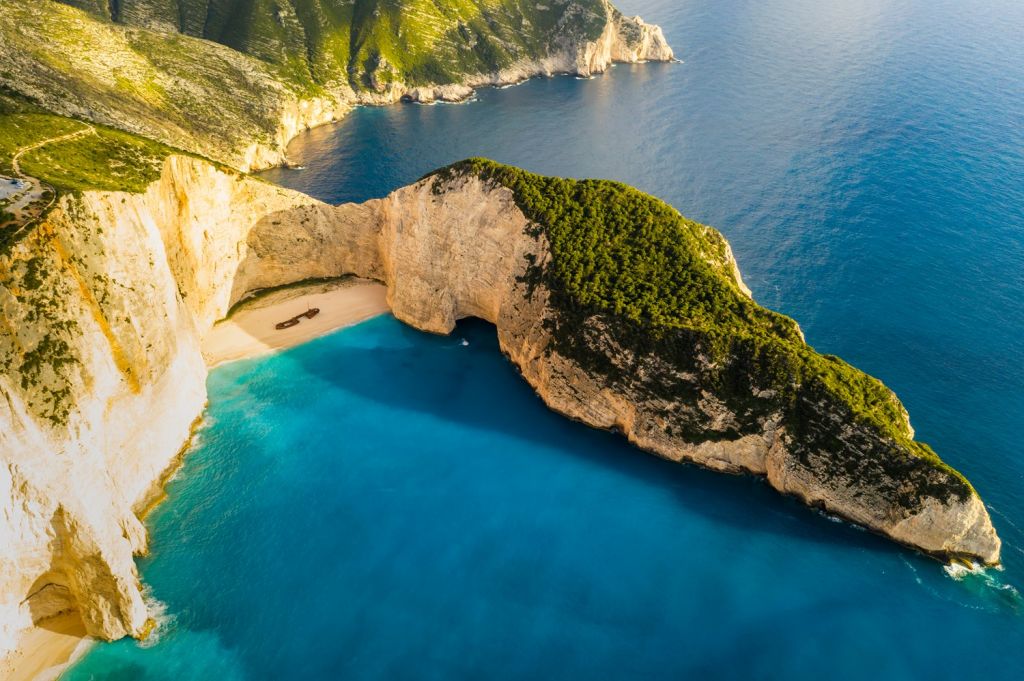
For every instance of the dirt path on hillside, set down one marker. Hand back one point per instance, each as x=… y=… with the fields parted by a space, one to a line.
x=21 y=207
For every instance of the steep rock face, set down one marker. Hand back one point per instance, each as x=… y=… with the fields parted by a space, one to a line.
x=449 y=249
x=102 y=312
x=103 y=309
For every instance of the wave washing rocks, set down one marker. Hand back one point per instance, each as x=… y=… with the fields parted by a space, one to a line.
x=104 y=307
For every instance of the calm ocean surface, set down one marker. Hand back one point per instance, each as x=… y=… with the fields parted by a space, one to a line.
x=382 y=504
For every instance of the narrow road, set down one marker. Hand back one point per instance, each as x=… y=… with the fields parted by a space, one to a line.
x=37 y=188
x=15 y=160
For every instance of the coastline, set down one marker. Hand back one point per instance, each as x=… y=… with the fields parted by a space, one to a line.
x=48 y=648
x=249 y=330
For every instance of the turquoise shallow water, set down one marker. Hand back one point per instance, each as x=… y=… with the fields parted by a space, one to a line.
x=381 y=504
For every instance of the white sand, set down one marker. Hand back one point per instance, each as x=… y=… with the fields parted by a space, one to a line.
x=250 y=331
x=46 y=650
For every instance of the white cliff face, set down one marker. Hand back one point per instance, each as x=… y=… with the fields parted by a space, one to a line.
x=463 y=252
x=78 y=449
x=103 y=309
x=296 y=115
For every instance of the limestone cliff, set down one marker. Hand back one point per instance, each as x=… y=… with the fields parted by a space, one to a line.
x=103 y=308
x=621 y=40
x=457 y=246
x=102 y=311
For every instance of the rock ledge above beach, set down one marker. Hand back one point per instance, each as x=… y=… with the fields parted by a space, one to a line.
x=619 y=312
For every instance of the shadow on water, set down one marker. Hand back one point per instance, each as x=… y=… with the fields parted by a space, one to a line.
x=457 y=391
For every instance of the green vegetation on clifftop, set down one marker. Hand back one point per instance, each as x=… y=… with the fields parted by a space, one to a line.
x=662 y=285
x=101 y=158
x=363 y=43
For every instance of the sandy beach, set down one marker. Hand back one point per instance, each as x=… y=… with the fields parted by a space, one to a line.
x=46 y=650
x=250 y=332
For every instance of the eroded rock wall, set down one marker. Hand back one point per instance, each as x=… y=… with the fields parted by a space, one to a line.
x=102 y=313
x=104 y=307
x=465 y=249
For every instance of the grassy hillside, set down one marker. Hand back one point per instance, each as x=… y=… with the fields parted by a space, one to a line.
x=366 y=42
x=661 y=286
x=179 y=90
x=102 y=159
x=217 y=77
x=109 y=160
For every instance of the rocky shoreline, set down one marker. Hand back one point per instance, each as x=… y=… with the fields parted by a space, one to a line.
x=625 y=40
x=133 y=284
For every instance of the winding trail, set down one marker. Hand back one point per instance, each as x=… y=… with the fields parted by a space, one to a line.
x=38 y=188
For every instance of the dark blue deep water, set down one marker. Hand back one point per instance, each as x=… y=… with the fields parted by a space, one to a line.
x=381 y=504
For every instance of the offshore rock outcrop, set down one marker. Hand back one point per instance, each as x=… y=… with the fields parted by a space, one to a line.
x=104 y=306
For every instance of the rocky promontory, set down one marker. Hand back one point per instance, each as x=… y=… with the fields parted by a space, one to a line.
x=238 y=94
x=624 y=315
x=619 y=312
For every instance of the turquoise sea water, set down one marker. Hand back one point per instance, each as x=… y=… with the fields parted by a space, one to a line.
x=382 y=504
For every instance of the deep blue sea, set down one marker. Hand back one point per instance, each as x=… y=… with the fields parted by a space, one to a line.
x=383 y=504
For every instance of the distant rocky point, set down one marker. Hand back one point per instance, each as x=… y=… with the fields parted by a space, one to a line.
x=234 y=82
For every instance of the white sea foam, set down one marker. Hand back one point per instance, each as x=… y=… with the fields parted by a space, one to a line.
x=958 y=570
x=986 y=579
x=164 y=621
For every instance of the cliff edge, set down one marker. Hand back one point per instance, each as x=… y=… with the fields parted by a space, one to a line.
x=620 y=313
x=234 y=82
x=624 y=315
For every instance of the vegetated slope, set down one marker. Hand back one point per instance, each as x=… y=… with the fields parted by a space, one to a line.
x=155 y=67
x=664 y=285
x=109 y=160
x=102 y=158
x=179 y=90
x=650 y=307
x=367 y=43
